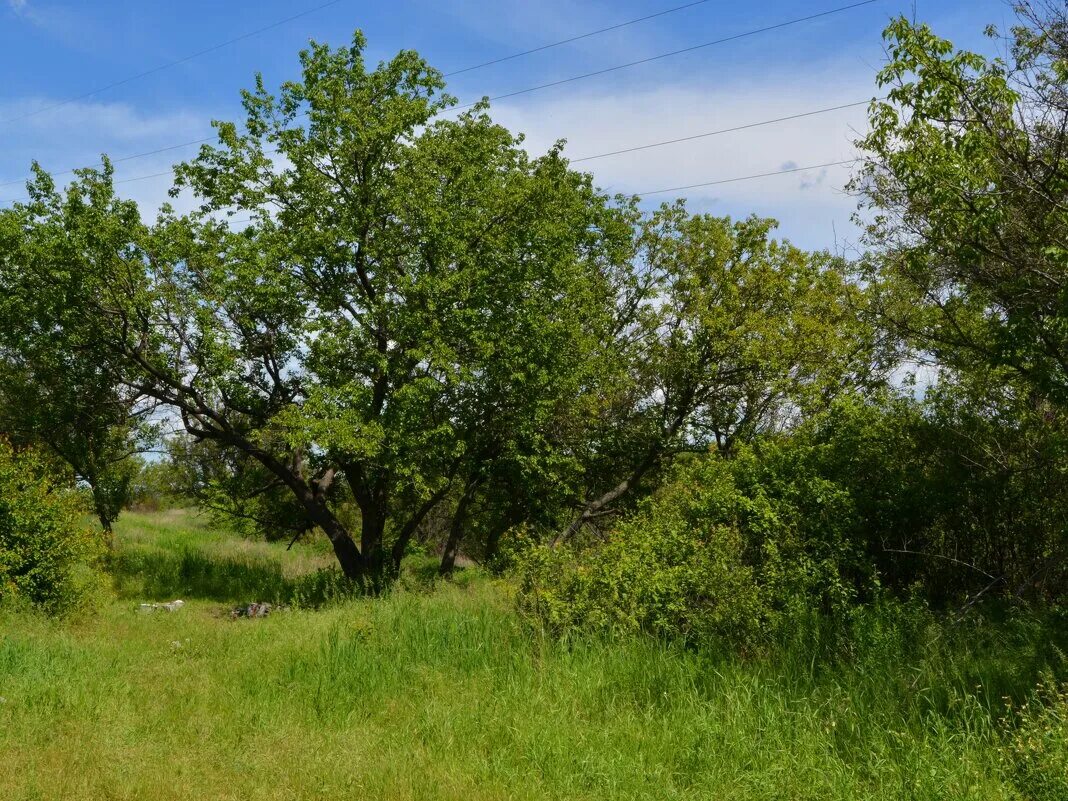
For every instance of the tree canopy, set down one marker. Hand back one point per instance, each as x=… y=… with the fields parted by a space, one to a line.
x=383 y=305
x=966 y=178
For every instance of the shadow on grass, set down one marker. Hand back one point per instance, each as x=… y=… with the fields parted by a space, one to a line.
x=191 y=574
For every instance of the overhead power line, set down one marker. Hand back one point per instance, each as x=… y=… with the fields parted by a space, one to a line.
x=119 y=160
x=704 y=135
x=622 y=151
x=721 y=131
x=748 y=177
x=576 y=38
x=682 y=188
x=691 y=49
x=531 y=89
x=569 y=40
x=510 y=94
x=170 y=64
x=120 y=181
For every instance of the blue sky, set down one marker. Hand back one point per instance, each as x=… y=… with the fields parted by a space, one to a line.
x=53 y=50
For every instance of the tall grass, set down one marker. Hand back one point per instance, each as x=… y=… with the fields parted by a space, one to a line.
x=175 y=554
x=447 y=695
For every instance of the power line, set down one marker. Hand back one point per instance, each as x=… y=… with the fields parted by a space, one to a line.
x=747 y=177
x=531 y=89
x=573 y=161
x=170 y=64
x=511 y=94
x=691 y=49
x=575 y=38
x=721 y=131
x=747 y=126
x=682 y=188
x=145 y=177
x=121 y=181
x=118 y=160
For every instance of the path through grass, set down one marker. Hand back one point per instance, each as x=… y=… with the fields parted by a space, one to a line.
x=444 y=695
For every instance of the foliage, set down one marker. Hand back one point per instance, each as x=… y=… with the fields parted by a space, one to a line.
x=422 y=301
x=663 y=579
x=724 y=550
x=872 y=496
x=157 y=486
x=59 y=393
x=1036 y=753
x=48 y=556
x=724 y=333
x=235 y=490
x=967 y=185
x=942 y=492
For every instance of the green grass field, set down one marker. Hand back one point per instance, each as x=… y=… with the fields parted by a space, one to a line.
x=444 y=694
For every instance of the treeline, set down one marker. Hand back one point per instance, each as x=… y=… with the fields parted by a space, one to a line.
x=390 y=325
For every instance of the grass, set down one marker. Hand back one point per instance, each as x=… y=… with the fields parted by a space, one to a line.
x=443 y=694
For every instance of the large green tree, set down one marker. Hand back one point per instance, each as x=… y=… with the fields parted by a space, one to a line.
x=406 y=297
x=965 y=181
x=57 y=390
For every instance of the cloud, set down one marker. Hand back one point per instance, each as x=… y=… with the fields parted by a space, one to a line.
x=76 y=134
x=71 y=25
x=808 y=203
x=43 y=118
x=810 y=183
x=811 y=204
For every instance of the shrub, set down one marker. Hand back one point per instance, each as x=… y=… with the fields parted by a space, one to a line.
x=873 y=499
x=1036 y=751
x=48 y=553
x=726 y=549
x=718 y=553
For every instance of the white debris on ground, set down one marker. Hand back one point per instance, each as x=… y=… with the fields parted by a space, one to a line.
x=251 y=610
x=170 y=606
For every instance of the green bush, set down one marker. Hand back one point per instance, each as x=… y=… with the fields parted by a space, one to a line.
x=1036 y=751
x=885 y=498
x=48 y=553
x=727 y=549
x=720 y=552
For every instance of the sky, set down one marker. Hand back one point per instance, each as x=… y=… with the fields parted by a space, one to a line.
x=90 y=77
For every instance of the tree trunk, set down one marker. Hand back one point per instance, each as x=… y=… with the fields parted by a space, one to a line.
x=597 y=507
x=405 y=534
x=348 y=555
x=372 y=532
x=456 y=531
x=109 y=532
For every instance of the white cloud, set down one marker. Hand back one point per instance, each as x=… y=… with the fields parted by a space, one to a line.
x=76 y=134
x=17 y=5
x=85 y=121
x=810 y=204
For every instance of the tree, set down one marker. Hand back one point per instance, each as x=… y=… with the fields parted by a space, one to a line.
x=236 y=490
x=58 y=392
x=406 y=284
x=967 y=179
x=724 y=333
